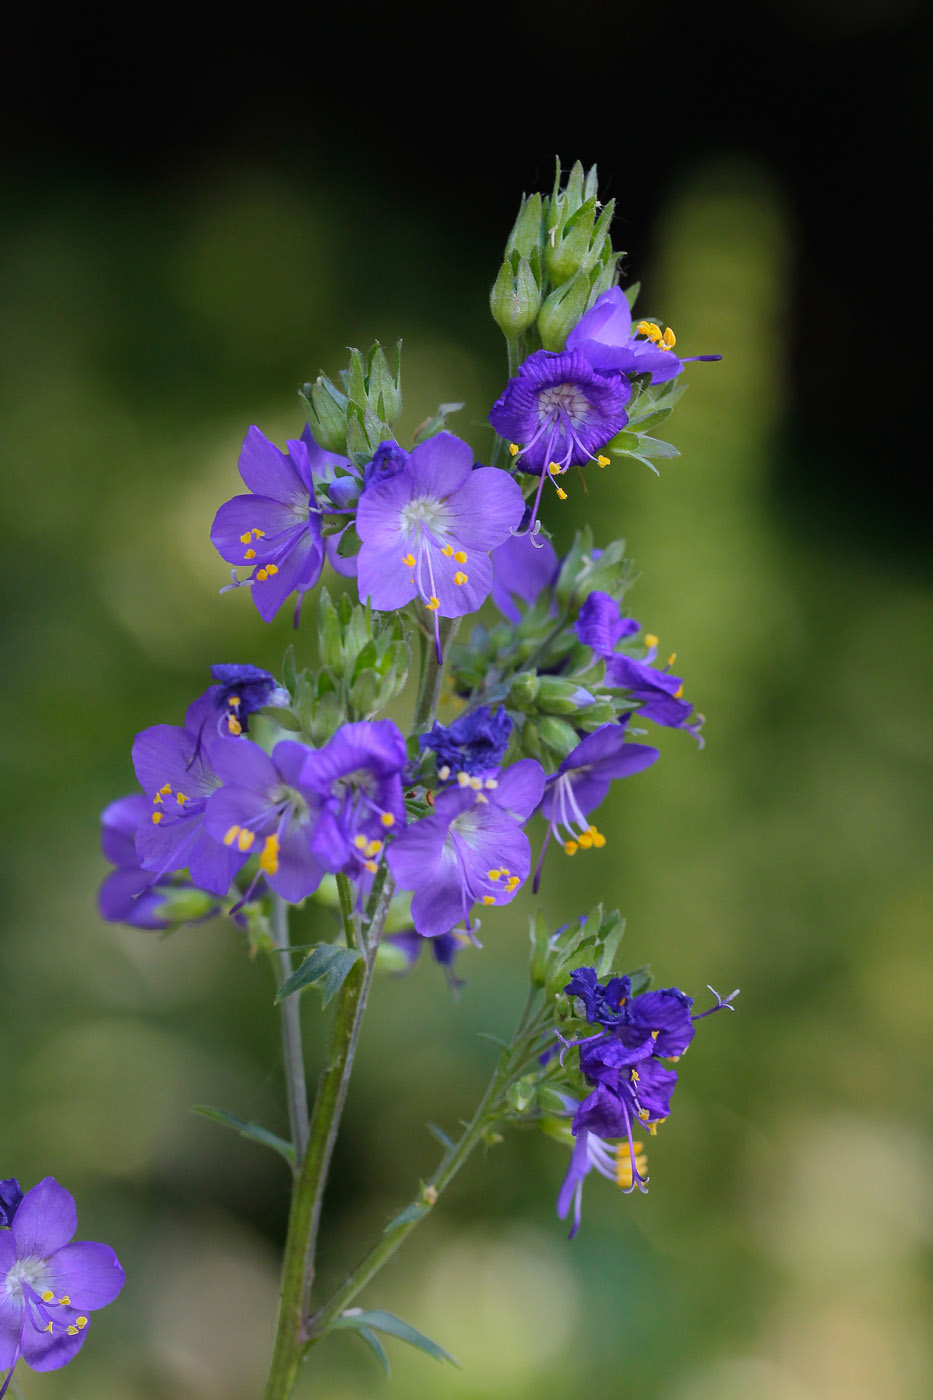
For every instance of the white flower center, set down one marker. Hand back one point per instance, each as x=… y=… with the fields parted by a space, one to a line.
x=33 y=1271
x=425 y=511
x=568 y=397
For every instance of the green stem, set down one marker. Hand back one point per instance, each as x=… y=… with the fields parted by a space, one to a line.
x=290 y=1018
x=429 y=687
x=510 y=1062
x=304 y=1217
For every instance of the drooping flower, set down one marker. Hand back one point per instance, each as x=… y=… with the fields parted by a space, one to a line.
x=616 y=1161
x=600 y=626
x=357 y=782
x=524 y=567
x=582 y=781
x=427 y=530
x=129 y=894
x=276 y=531
x=266 y=808
x=48 y=1285
x=558 y=412
x=241 y=691
x=176 y=768
x=606 y=337
x=474 y=743
x=470 y=850
x=444 y=949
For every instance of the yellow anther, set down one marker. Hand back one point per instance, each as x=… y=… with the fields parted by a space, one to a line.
x=234 y=725
x=488 y=899
x=269 y=860
x=181 y=798
x=259 y=534
x=359 y=842
x=624 y=1162
x=673 y=1058
x=463 y=779
x=272 y=569
x=643 y=327
x=655 y=1034
x=80 y=1323
x=65 y=1299
x=643 y=1113
x=599 y=839
x=654 y=332
x=514 y=449
x=262 y=575
x=476 y=784
x=371 y=866
x=433 y=604
x=166 y=788
x=670 y=339
x=245 y=839
x=247 y=538
x=157 y=800
x=494 y=874
x=373 y=848
x=448 y=550
x=250 y=554
x=460 y=577
x=678 y=692
x=481 y=798
x=409 y=559
x=653 y=1129
x=157 y=817
x=460 y=556
x=513 y=881
x=72 y=1331
x=602 y=461
x=235 y=702
x=635 y=1076
x=586 y=840
x=387 y=819
x=554 y=468
x=444 y=772
x=47 y=1327
x=561 y=494
x=650 y=639
x=672 y=658
x=491 y=783
x=571 y=847
x=231 y=834
x=48 y=1296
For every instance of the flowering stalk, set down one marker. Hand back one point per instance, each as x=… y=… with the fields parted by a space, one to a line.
x=292 y=1051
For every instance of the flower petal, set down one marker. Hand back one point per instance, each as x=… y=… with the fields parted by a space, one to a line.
x=45 y=1221
x=48 y=1351
x=268 y=471
x=487 y=506
x=245 y=514
x=89 y=1273
x=382 y=577
x=440 y=466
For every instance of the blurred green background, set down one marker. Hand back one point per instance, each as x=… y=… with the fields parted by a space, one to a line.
x=780 y=1253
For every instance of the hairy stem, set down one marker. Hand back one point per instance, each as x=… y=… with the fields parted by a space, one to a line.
x=290 y=1018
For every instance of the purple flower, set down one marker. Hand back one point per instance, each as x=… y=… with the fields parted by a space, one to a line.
x=356 y=780
x=48 y=1285
x=524 y=567
x=605 y=336
x=427 y=530
x=474 y=743
x=600 y=625
x=582 y=781
x=265 y=808
x=620 y=1163
x=388 y=461
x=10 y=1196
x=277 y=529
x=470 y=850
x=242 y=690
x=444 y=948
x=176 y=769
x=129 y=894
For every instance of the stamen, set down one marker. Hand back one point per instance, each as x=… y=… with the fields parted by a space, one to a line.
x=157 y=817
x=181 y=798
x=672 y=658
x=269 y=860
x=460 y=577
x=494 y=874
x=250 y=554
x=599 y=839
x=447 y=550
x=650 y=639
x=48 y=1296
x=444 y=772
x=670 y=340
x=373 y=848
x=602 y=461
x=272 y=569
x=80 y=1323
x=231 y=834
x=166 y=788
x=514 y=449
x=476 y=784
x=491 y=783
x=245 y=840
x=678 y=692
x=247 y=538
x=262 y=575
x=371 y=866
x=463 y=778
x=513 y=881
x=359 y=842
x=460 y=556
x=234 y=725
x=488 y=899
x=433 y=603
x=409 y=559
x=571 y=847
x=586 y=840
x=387 y=819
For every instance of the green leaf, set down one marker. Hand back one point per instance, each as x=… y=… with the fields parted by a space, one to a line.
x=253 y=1131
x=290 y=671
x=354 y=1319
x=327 y=966
x=441 y=1136
x=369 y=1336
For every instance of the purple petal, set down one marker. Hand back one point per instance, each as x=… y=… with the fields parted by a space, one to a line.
x=523 y=570
x=298 y=567
x=413 y=855
x=440 y=466
x=123 y=899
x=458 y=599
x=438 y=902
x=119 y=823
x=163 y=754
x=299 y=872
x=45 y=1221
x=244 y=514
x=47 y=1351
x=212 y=865
x=520 y=788
x=381 y=575
x=11 y=1311
x=600 y=624
x=487 y=506
x=241 y=763
x=89 y=1274
x=268 y=471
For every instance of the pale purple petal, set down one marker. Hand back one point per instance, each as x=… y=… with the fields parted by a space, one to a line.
x=45 y=1221
x=45 y=1351
x=298 y=566
x=487 y=507
x=267 y=471
x=244 y=514
x=440 y=466
x=520 y=788
x=381 y=575
x=89 y=1274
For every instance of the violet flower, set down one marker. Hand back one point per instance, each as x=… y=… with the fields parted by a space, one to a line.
x=356 y=780
x=615 y=1161
x=427 y=531
x=475 y=743
x=580 y=784
x=176 y=769
x=276 y=531
x=470 y=850
x=444 y=949
x=242 y=690
x=265 y=808
x=129 y=894
x=600 y=625
x=557 y=413
x=523 y=568
x=606 y=338
x=48 y=1285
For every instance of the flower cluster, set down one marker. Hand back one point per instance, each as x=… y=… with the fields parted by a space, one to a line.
x=49 y=1282
x=630 y=1085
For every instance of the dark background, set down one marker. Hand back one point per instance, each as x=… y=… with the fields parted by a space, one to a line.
x=195 y=219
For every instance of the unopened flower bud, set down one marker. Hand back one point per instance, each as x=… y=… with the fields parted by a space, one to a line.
x=515 y=298
x=524 y=689
x=561 y=697
x=326 y=408
x=562 y=310
x=526 y=231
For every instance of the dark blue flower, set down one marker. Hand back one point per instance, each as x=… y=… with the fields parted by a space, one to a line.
x=474 y=743
x=388 y=461
x=606 y=337
x=242 y=690
x=10 y=1196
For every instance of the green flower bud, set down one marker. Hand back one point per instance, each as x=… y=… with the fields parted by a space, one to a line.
x=523 y=689
x=561 y=697
x=526 y=235
x=181 y=905
x=557 y=735
x=515 y=298
x=562 y=310
x=326 y=409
